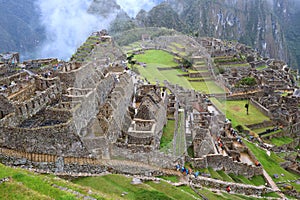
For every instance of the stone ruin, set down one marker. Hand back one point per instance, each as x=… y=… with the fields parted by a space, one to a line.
x=87 y=112
x=150 y=118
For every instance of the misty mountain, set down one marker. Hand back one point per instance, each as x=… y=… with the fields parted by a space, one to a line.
x=270 y=26
x=260 y=24
x=19 y=26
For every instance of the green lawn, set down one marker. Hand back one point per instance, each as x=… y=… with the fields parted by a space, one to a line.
x=28 y=185
x=221 y=175
x=207 y=87
x=115 y=185
x=272 y=133
x=272 y=164
x=214 y=174
x=160 y=59
x=260 y=130
x=174 y=179
x=168 y=134
x=224 y=195
x=236 y=112
x=225 y=177
x=281 y=141
x=156 y=56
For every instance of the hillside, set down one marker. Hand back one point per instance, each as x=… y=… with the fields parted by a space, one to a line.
x=102 y=92
x=19 y=26
x=271 y=28
x=250 y=22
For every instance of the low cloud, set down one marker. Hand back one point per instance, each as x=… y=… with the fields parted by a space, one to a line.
x=67 y=23
x=132 y=7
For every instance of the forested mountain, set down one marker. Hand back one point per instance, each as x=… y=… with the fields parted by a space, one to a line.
x=19 y=26
x=270 y=26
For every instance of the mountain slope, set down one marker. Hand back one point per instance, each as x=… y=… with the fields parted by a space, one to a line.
x=19 y=26
x=249 y=21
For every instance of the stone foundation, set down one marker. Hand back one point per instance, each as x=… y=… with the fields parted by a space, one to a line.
x=226 y=163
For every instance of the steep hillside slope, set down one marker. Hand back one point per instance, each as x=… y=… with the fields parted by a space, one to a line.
x=19 y=26
x=250 y=22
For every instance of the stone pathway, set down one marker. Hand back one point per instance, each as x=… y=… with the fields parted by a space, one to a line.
x=273 y=184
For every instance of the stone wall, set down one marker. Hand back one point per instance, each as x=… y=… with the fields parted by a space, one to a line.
x=237 y=188
x=226 y=163
x=74 y=166
x=260 y=125
x=103 y=130
x=55 y=140
x=291 y=146
x=84 y=77
x=38 y=102
x=143 y=153
x=261 y=108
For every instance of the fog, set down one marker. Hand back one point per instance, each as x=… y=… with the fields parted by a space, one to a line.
x=67 y=23
x=132 y=7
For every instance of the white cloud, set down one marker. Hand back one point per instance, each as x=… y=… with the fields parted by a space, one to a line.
x=67 y=23
x=67 y=26
x=132 y=7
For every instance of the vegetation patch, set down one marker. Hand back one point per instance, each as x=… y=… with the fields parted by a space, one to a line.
x=158 y=59
x=281 y=140
x=26 y=185
x=173 y=179
x=236 y=112
x=168 y=133
x=272 y=164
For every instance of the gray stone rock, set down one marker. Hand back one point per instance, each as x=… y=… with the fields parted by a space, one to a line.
x=21 y=161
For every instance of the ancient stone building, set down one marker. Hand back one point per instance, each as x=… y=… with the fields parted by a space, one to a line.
x=59 y=114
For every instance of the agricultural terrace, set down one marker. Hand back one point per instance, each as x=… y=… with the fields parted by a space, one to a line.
x=236 y=112
x=272 y=165
x=111 y=185
x=160 y=66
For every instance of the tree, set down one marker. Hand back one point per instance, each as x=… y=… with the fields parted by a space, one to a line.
x=131 y=61
x=185 y=63
x=247 y=81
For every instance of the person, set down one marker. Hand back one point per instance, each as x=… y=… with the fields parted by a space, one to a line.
x=228 y=189
x=177 y=167
x=186 y=171
x=182 y=169
x=257 y=163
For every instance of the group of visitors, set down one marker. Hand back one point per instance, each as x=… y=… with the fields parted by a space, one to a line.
x=186 y=170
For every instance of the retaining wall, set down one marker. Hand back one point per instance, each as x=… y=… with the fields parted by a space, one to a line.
x=226 y=163
x=235 y=187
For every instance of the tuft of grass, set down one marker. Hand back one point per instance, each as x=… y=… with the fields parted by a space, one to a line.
x=225 y=177
x=174 y=179
x=168 y=133
x=281 y=141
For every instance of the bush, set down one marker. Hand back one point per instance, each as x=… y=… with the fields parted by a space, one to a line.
x=240 y=128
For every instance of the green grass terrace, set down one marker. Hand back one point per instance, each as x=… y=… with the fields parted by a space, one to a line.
x=157 y=59
x=236 y=112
